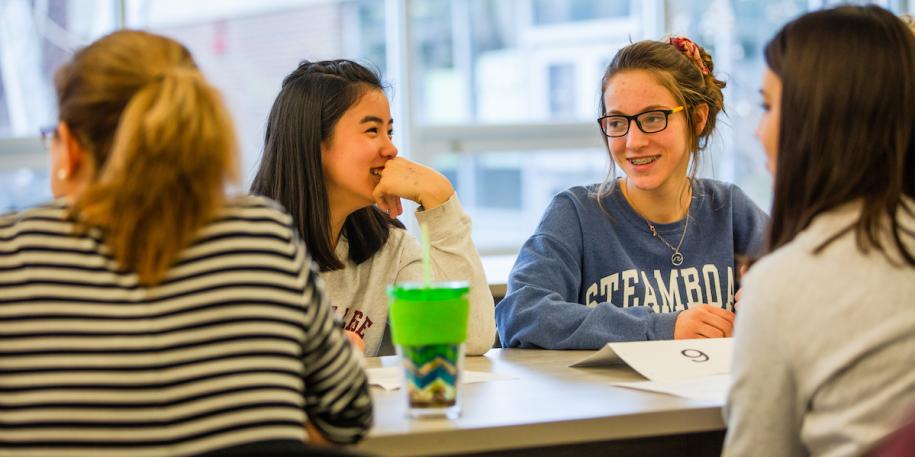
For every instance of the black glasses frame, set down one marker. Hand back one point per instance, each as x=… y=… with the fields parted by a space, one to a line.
x=635 y=117
x=47 y=134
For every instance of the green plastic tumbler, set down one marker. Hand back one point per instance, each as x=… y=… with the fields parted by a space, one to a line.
x=429 y=328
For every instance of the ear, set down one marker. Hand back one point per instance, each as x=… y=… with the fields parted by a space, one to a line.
x=700 y=117
x=73 y=158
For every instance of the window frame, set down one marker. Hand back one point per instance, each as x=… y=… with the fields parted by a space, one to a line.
x=425 y=142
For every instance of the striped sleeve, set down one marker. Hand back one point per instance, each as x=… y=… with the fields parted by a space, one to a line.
x=337 y=398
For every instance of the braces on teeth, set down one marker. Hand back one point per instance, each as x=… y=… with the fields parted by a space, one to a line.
x=642 y=161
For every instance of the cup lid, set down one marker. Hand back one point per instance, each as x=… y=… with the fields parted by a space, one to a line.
x=436 y=290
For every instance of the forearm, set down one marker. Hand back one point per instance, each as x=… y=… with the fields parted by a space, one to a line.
x=481 y=327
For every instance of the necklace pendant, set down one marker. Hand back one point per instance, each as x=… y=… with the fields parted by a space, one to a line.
x=676 y=259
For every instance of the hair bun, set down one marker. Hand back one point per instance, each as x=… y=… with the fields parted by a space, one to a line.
x=691 y=51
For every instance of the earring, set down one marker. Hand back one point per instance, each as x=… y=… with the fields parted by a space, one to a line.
x=62 y=174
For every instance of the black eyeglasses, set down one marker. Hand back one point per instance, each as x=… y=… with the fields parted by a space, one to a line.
x=47 y=135
x=652 y=121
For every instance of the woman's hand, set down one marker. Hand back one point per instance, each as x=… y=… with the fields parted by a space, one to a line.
x=402 y=178
x=355 y=339
x=704 y=321
x=315 y=436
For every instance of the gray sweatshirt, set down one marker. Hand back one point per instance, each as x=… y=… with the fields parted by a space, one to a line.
x=824 y=357
x=358 y=293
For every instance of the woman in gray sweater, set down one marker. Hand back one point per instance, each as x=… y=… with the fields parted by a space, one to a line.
x=330 y=160
x=825 y=333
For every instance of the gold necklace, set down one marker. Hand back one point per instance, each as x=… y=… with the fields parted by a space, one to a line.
x=676 y=259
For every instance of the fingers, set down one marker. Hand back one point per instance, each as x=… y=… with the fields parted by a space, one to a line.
x=705 y=321
x=413 y=181
x=378 y=195
x=387 y=201
x=386 y=192
x=709 y=331
x=390 y=204
x=399 y=178
x=692 y=328
x=355 y=339
x=384 y=201
x=395 y=209
x=685 y=326
x=715 y=327
x=722 y=313
x=401 y=166
x=716 y=322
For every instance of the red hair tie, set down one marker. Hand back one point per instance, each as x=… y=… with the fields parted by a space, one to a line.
x=691 y=51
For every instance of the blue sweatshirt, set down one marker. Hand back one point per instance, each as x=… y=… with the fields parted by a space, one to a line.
x=586 y=278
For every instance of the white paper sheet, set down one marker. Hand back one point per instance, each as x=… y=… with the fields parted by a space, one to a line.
x=711 y=388
x=389 y=378
x=668 y=359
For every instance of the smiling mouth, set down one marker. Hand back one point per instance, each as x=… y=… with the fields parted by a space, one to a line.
x=376 y=171
x=643 y=160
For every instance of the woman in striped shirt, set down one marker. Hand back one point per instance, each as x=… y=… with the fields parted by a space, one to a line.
x=146 y=313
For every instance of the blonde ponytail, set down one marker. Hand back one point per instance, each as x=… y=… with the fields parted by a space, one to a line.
x=170 y=155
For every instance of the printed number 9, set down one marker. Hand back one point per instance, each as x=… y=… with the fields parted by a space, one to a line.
x=695 y=355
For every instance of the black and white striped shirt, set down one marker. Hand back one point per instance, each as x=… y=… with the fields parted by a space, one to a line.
x=235 y=346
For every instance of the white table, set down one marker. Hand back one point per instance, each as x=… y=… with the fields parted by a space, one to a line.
x=549 y=404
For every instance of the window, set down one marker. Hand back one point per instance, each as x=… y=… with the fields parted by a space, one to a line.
x=505 y=191
x=561 y=85
x=560 y=11
x=514 y=61
x=501 y=94
x=505 y=97
x=735 y=34
x=36 y=36
x=247 y=48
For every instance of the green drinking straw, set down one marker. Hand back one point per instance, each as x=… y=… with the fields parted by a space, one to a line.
x=427 y=262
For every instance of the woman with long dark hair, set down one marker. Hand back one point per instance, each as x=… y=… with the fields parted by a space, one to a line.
x=825 y=336
x=329 y=159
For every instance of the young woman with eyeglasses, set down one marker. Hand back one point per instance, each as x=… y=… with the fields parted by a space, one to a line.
x=148 y=312
x=650 y=255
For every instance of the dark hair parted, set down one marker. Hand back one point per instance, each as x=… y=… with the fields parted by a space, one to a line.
x=311 y=101
x=846 y=126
